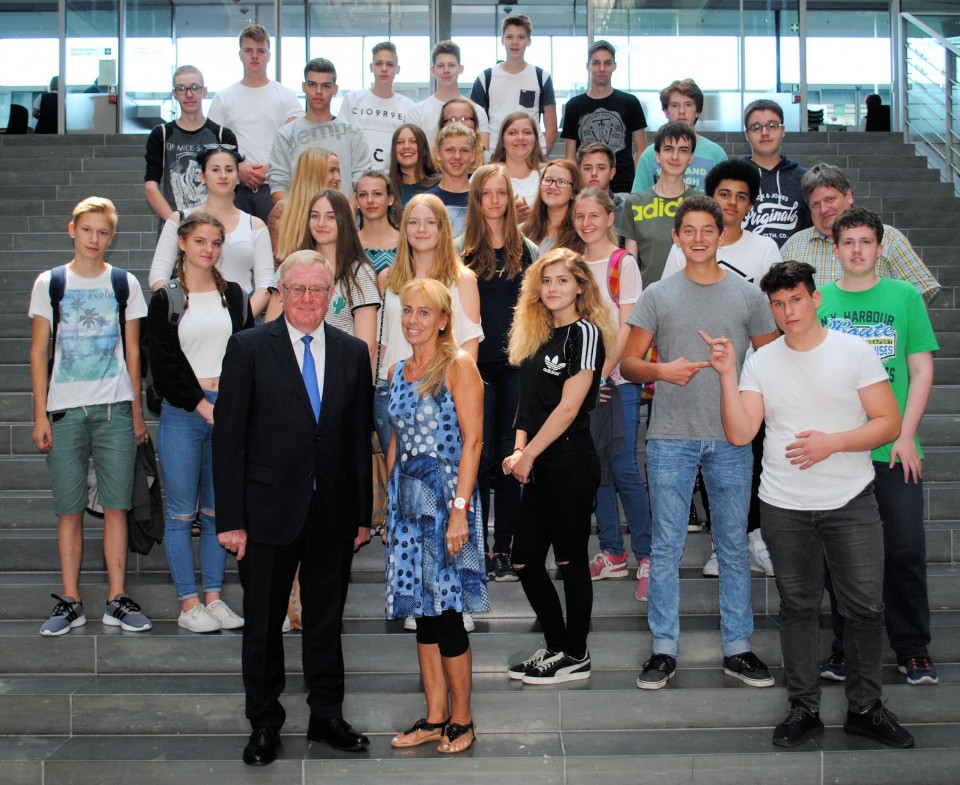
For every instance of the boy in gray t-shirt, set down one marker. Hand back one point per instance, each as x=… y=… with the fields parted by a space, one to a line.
x=686 y=433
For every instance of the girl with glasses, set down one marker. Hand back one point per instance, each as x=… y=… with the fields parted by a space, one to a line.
x=550 y=223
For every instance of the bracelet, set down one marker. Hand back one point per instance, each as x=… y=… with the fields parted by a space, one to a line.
x=518 y=449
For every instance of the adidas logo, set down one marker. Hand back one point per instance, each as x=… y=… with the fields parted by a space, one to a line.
x=552 y=365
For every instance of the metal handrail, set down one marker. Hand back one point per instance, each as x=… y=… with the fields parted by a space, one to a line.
x=927 y=93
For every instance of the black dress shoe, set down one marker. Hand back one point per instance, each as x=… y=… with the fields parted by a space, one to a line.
x=337 y=733
x=262 y=747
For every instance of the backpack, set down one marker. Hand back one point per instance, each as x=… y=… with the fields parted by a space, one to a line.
x=58 y=287
x=488 y=77
x=647 y=389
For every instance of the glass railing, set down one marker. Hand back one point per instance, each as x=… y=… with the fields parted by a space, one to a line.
x=930 y=90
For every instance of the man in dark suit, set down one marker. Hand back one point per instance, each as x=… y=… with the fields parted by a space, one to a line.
x=292 y=475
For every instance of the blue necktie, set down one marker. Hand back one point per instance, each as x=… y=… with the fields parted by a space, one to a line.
x=310 y=376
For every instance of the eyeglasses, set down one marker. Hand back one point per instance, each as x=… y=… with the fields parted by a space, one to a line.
x=551 y=182
x=467 y=118
x=232 y=148
x=180 y=89
x=758 y=127
x=298 y=290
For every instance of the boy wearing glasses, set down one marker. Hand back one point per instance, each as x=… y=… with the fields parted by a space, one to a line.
x=779 y=210
x=446 y=69
x=172 y=181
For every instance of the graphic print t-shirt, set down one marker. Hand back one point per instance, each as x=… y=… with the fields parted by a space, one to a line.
x=88 y=364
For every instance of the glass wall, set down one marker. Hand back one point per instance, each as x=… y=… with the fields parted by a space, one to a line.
x=737 y=50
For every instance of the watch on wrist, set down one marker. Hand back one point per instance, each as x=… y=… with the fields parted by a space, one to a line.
x=459 y=503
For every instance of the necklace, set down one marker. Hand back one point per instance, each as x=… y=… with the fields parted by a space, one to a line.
x=416 y=373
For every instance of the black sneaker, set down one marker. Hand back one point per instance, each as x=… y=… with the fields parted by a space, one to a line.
x=488 y=563
x=799 y=724
x=879 y=724
x=834 y=668
x=748 y=668
x=502 y=570
x=919 y=670
x=657 y=671
x=693 y=522
x=517 y=671
x=558 y=669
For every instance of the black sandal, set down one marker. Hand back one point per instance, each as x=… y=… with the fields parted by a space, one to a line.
x=423 y=725
x=453 y=732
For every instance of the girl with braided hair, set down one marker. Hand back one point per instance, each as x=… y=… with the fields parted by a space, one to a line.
x=186 y=351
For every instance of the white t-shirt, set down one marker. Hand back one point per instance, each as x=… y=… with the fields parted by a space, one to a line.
x=630 y=287
x=88 y=363
x=379 y=118
x=254 y=114
x=204 y=330
x=395 y=346
x=246 y=257
x=527 y=188
x=750 y=256
x=428 y=118
x=505 y=89
x=816 y=390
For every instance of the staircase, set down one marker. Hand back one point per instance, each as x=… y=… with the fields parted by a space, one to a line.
x=103 y=706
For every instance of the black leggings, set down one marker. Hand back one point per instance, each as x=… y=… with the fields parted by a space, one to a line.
x=446 y=631
x=555 y=510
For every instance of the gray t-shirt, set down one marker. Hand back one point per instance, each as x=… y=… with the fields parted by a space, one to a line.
x=674 y=309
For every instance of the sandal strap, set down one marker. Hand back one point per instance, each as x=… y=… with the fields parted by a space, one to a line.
x=423 y=725
x=455 y=730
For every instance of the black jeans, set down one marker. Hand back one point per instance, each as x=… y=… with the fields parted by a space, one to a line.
x=501 y=394
x=850 y=541
x=906 y=608
x=555 y=511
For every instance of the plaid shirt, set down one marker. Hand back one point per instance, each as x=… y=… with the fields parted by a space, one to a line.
x=898 y=260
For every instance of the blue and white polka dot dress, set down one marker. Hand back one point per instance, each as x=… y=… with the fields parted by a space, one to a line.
x=422 y=578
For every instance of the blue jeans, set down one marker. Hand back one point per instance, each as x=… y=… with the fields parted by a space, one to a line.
x=381 y=421
x=672 y=469
x=186 y=460
x=850 y=540
x=626 y=480
x=501 y=395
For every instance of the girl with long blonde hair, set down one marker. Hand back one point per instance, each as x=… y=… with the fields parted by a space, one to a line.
x=437 y=536
x=315 y=170
x=559 y=338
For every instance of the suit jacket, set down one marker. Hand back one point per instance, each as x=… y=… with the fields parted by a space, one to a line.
x=268 y=450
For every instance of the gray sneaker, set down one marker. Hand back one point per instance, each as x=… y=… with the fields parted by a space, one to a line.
x=67 y=614
x=124 y=613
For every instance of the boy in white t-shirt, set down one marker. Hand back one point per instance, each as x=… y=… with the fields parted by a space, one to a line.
x=255 y=108
x=826 y=402
x=446 y=69
x=89 y=406
x=380 y=111
x=515 y=85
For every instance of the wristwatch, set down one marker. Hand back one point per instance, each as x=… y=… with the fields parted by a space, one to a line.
x=460 y=503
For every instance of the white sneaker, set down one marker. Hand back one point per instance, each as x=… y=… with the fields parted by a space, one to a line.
x=410 y=623
x=197 y=619
x=225 y=615
x=759 y=555
x=710 y=568
x=468 y=624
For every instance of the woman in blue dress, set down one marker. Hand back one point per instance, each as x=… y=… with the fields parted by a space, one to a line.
x=435 y=565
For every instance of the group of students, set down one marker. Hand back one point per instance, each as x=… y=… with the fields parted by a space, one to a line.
x=560 y=322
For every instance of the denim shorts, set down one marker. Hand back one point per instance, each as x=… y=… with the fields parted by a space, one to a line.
x=104 y=431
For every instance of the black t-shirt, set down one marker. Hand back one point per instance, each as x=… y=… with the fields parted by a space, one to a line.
x=611 y=120
x=568 y=350
x=498 y=296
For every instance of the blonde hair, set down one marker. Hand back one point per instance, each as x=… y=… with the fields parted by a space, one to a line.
x=447 y=267
x=602 y=198
x=536 y=159
x=538 y=222
x=438 y=299
x=459 y=129
x=96 y=204
x=309 y=176
x=476 y=243
x=477 y=142
x=533 y=322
